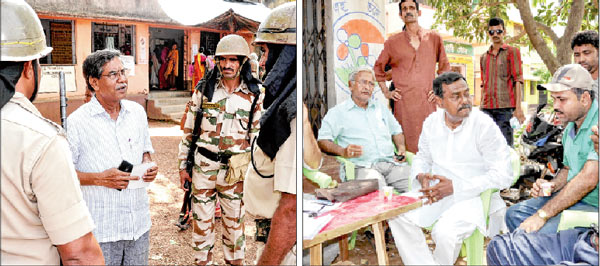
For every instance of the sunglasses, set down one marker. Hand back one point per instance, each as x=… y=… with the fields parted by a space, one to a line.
x=491 y=32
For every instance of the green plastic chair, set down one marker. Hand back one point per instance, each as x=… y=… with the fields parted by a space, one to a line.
x=570 y=219
x=472 y=246
x=320 y=178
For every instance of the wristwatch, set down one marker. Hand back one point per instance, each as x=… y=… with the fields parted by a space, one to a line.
x=542 y=214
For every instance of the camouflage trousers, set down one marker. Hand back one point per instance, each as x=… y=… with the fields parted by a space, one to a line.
x=232 y=218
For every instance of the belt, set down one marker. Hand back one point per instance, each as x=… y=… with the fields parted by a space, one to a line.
x=216 y=157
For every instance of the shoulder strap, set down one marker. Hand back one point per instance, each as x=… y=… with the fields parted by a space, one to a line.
x=251 y=115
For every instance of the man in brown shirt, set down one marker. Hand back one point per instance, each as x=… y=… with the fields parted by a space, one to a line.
x=502 y=80
x=412 y=54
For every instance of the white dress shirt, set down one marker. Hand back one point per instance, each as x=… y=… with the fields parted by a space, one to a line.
x=98 y=143
x=474 y=156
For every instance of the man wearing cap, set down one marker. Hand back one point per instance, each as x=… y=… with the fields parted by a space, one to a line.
x=44 y=219
x=228 y=104
x=270 y=187
x=575 y=187
x=585 y=53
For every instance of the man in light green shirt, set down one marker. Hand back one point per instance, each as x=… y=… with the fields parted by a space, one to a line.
x=575 y=187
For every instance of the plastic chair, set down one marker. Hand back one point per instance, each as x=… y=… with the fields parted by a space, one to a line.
x=472 y=246
x=320 y=178
x=570 y=219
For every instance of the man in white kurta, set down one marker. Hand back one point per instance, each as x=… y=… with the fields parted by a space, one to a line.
x=461 y=154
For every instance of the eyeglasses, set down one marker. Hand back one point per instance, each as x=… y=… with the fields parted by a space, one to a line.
x=113 y=75
x=491 y=32
x=366 y=83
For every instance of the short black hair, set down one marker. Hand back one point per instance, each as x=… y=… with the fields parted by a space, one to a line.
x=585 y=37
x=445 y=78
x=496 y=22
x=402 y=1
x=93 y=66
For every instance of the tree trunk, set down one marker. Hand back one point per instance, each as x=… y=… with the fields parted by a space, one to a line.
x=563 y=44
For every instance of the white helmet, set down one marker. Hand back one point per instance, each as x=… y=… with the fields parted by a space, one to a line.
x=22 y=34
x=279 y=27
x=232 y=44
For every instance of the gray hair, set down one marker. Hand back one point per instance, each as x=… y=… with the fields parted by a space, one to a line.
x=354 y=73
x=93 y=66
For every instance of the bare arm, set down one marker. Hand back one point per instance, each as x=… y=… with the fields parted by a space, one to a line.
x=111 y=178
x=575 y=190
x=311 y=153
x=282 y=235
x=82 y=251
x=399 y=142
x=351 y=151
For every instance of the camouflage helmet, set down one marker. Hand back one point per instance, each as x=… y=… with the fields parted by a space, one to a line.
x=232 y=44
x=22 y=34
x=279 y=27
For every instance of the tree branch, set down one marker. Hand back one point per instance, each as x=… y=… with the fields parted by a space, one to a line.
x=517 y=37
x=479 y=9
x=535 y=37
x=546 y=29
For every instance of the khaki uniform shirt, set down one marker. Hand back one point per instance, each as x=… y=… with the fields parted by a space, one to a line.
x=261 y=195
x=42 y=205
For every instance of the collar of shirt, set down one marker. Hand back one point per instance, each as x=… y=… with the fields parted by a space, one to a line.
x=460 y=127
x=587 y=123
x=20 y=99
x=96 y=108
x=503 y=47
x=242 y=87
x=350 y=104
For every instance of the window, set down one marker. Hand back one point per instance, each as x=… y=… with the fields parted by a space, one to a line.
x=113 y=36
x=59 y=35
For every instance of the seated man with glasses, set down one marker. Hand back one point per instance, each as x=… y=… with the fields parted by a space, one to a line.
x=365 y=131
x=102 y=134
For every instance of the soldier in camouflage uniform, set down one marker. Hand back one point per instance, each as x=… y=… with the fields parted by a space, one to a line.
x=229 y=92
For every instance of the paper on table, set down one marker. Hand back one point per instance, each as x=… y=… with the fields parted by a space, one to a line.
x=312 y=226
x=139 y=170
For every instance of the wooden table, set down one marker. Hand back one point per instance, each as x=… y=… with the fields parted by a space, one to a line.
x=375 y=216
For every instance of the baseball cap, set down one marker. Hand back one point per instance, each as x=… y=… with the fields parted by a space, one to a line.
x=568 y=77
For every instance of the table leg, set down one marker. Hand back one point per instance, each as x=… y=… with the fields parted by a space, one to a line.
x=344 y=247
x=316 y=254
x=382 y=258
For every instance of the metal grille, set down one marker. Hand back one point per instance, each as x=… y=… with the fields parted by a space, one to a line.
x=314 y=72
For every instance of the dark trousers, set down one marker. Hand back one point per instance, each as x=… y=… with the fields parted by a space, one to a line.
x=502 y=118
x=565 y=247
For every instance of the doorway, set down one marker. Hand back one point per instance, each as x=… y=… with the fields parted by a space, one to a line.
x=161 y=42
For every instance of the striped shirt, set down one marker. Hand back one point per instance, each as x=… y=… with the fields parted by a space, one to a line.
x=98 y=143
x=499 y=75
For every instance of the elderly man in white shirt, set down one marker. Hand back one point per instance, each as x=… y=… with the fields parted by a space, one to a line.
x=461 y=154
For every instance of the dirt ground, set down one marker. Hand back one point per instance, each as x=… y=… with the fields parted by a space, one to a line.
x=169 y=245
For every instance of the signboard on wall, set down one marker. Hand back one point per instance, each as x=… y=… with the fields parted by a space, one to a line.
x=61 y=38
x=143 y=51
x=129 y=63
x=50 y=79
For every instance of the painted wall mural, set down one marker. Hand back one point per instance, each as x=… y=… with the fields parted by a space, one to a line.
x=358 y=39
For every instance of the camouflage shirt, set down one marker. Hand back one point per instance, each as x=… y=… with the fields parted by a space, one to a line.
x=225 y=122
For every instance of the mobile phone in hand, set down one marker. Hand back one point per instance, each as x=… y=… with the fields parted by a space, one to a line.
x=125 y=166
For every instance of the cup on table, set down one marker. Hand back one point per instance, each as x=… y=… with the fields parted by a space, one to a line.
x=388 y=191
x=547 y=189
